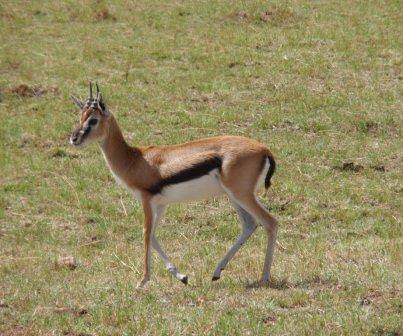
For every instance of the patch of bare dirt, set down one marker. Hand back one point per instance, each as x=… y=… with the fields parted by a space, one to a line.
x=316 y=85
x=318 y=283
x=269 y=320
x=18 y=330
x=379 y=168
x=25 y=140
x=349 y=166
x=384 y=332
x=209 y=99
x=376 y=297
x=78 y=312
x=366 y=126
x=14 y=65
x=356 y=168
x=103 y=15
x=23 y=90
x=394 y=163
x=6 y=15
x=279 y=16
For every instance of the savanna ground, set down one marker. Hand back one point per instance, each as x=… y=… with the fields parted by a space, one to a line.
x=318 y=82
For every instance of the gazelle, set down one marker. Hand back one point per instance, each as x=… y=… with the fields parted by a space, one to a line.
x=161 y=175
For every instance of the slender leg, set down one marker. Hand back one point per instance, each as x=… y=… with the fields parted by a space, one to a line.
x=271 y=231
x=248 y=225
x=158 y=213
x=148 y=221
x=270 y=225
x=249 y=202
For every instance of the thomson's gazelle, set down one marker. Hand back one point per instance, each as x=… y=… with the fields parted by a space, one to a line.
x=160 y=175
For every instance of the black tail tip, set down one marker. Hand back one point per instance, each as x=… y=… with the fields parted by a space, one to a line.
x=215 y=278
x=184 y=280
x=270 y=172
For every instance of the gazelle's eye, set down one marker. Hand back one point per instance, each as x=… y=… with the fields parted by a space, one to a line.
x=93 y=122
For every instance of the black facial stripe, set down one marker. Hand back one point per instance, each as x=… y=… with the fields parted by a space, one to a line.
x=191 y=173
x=86 y=132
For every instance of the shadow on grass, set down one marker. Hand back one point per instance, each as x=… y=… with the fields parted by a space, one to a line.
x=284 y=283
x=279 y=284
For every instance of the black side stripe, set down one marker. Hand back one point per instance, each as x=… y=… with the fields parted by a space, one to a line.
x=191 y=173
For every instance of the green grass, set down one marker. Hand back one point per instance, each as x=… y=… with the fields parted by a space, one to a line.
x=318 y=82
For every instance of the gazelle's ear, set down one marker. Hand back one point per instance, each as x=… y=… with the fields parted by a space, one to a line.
x=77 y=101
x=101 y=103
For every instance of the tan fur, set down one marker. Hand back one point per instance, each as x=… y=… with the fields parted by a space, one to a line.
x=141 y=167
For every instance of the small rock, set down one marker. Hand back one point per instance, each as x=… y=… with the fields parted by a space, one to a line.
x=69 y=262
x=365 y=301
x=241 y=15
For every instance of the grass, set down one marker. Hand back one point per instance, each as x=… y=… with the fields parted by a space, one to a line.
x=318 y=82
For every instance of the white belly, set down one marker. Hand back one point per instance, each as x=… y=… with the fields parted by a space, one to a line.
x=203 y=187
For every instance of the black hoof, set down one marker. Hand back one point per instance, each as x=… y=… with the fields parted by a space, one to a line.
x=185 y=280
x=215 y=278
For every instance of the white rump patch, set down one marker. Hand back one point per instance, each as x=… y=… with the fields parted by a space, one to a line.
x=262 y=176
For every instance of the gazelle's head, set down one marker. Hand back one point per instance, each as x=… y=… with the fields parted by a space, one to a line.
x=93 y=120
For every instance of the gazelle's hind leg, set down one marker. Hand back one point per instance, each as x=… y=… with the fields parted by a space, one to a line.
x=242 y=192
x=269 y=223
x=248 y=225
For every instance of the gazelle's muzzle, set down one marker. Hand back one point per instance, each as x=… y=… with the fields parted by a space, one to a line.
x=79 y=135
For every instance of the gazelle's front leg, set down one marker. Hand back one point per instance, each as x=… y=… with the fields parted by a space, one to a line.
x=148 y=222
x=158 y=212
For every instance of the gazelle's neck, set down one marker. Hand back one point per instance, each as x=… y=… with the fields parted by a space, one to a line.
x=118 y=154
